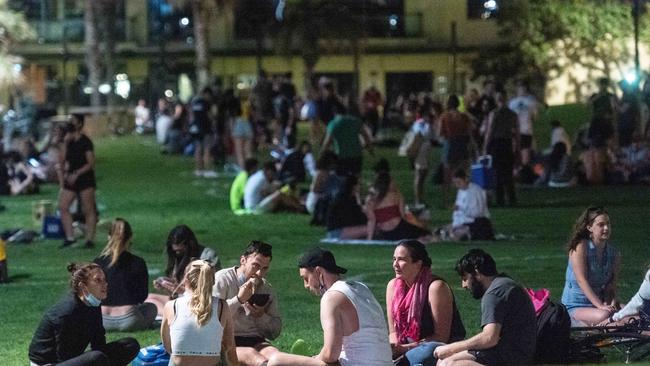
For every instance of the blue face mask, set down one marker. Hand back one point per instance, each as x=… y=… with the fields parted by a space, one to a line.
x=92 y=300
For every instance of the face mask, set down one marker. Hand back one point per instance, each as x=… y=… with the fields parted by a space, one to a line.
x=92 y=300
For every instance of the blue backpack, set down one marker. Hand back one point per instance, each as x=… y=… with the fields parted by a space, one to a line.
x=152 y=356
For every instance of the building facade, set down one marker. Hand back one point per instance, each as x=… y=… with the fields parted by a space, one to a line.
x=405 y=46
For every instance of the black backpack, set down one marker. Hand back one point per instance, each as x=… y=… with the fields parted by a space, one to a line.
x=553 y=334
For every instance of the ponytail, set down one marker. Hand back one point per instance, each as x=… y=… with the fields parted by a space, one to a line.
x=200 y=277
x=119 y=237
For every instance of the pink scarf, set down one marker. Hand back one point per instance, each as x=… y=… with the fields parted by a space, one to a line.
x=408 y=304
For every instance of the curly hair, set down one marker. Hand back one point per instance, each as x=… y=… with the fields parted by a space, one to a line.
x=80 y=274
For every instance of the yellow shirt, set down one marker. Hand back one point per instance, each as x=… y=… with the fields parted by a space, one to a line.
x=3 y=250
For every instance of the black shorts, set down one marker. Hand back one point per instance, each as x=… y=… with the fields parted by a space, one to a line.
x=526 y=141
x=487 y=357
x=249 y=341
x=82 y=183
x=403 y=230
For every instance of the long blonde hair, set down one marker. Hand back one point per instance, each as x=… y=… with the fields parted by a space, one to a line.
x=119 y=237
x=200 y=279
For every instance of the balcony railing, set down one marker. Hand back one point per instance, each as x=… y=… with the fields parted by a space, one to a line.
x=72 y=30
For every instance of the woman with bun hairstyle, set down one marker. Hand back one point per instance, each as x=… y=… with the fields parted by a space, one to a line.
x=197 y=328
x=73 y=323
x=124 y=308
x=591 y=275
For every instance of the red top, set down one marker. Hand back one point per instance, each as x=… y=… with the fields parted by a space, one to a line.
x=387 y=213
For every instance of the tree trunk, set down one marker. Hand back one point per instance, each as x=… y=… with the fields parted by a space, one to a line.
x=93 y=54
x=200 y=14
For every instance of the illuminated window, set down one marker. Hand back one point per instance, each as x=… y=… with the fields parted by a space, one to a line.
x=482 y=9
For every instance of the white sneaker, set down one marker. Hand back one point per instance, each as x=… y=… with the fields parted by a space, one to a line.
x=198 y=173
x=210 y=174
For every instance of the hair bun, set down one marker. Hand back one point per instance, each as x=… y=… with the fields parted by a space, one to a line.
x=72 y=267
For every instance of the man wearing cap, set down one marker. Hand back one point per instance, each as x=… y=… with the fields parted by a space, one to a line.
x=354 y=326
x=252 y=303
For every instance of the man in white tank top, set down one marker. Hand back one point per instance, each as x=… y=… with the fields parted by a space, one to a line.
x=354 y=325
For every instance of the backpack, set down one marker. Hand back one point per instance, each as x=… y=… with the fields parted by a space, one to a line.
x=553 y=334
x=152 y=356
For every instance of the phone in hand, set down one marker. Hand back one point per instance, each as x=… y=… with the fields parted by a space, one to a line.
x=259 y=299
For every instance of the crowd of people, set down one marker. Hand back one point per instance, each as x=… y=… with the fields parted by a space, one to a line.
x=208 y=314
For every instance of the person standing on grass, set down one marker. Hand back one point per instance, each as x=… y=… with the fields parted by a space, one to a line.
x=592 y=273
x=502 y=142
x=124 y=308
x=197 y=328
x=252 y=303
x=68 y=327
x=202 y=133
x=507 y=318
x=344 y=131
x=76 y=174
x=527 y=109
x=421 y=307
x=354 y=329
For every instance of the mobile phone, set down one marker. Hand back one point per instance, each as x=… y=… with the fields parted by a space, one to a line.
x=259 y=299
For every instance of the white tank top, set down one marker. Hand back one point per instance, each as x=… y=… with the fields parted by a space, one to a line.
x=369 y=345
x=188 y=338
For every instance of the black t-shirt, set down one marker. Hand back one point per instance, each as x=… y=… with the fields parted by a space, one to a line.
x=200 y=117
x=507 y=303
x=75 y=154
x=345 y=212
x=66 y=330
x=128 y=280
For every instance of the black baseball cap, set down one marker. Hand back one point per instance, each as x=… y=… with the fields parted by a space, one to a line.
x=320 y=257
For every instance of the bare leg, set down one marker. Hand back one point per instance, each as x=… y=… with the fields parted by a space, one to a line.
x=590 y=316
x=459 y=359
x=89 y=209
x=248 y=148
x=158 y=300
x=65 y=200
x=239 y=151
x=354 y=232
x=418 y=183
x=285 y=359
x=198 y=156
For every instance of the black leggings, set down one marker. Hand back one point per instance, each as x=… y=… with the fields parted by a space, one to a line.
x=118 y=353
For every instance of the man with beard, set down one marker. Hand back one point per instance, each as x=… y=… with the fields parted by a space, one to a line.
x=354 y=326
x=507 y=318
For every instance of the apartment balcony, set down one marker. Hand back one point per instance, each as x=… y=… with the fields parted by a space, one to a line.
x=70 y=30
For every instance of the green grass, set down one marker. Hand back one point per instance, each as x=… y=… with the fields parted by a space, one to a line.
x=156 y=192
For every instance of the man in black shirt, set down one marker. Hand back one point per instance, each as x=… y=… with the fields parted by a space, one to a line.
x=507 y=318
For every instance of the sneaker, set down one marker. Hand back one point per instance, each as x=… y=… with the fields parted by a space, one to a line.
x=89 y=244
x=198 y=173
x=67 y=243
x=210 y=174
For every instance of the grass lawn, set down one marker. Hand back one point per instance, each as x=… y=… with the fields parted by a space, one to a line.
x=156 y=192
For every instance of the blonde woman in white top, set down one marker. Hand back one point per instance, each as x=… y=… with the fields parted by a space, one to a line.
x=197 y=328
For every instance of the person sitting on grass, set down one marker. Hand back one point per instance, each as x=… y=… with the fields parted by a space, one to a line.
x=639 y=306
x=345 y=217
x=68 y=327
x=196 y=328
x=592 y=272
x=386 y=215
x=558 y=170
x=354 y=329
x=318 y=188
x=238 y=186
x=182 y=247
x=261 y=195
x=252 y=303
x=471 y=218
x=508 y=318
x=421 y=307
x=124 y=308
x=20 y=176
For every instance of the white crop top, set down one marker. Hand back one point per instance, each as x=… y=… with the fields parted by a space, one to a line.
x=188 y=338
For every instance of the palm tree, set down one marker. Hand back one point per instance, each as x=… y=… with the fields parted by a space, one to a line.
x=202 y=10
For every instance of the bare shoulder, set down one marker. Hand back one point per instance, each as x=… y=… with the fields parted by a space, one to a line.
x=439 y=288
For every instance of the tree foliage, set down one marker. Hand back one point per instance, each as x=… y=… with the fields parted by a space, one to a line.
x=13 y=29
x=543 y=38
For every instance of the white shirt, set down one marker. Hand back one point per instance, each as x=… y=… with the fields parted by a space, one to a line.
x=141 y=115
x=559 y=134
x=368 y=346
x=526 y=108
x=255 y=185
x=641 y=298
x=471 y=204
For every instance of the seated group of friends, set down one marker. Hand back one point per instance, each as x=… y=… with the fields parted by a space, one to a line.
x=212 y=315
x=335 y=201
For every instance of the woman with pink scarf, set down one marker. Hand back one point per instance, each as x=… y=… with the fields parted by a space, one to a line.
x=422 y=312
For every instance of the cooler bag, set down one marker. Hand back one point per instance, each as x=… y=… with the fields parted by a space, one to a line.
x=483 y=172
x=52 y=228
x=152 y=356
